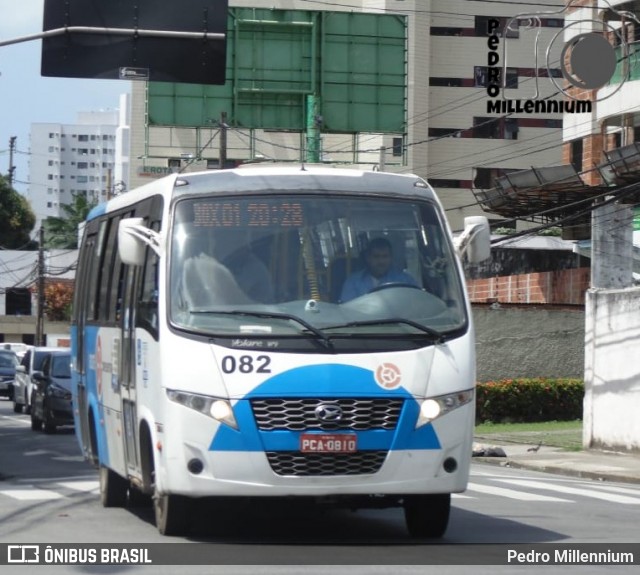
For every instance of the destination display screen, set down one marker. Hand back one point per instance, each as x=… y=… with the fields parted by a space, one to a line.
x=252 y=213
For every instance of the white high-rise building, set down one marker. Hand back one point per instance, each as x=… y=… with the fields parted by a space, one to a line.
x=89 y=158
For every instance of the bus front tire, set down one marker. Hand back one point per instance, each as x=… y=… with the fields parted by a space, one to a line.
x=113 y=488
x=172 y=512
x=427 y=516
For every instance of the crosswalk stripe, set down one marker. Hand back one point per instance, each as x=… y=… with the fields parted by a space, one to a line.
x=85 y=486
x=510 y=493
x=461 y=496
x=618 y=489
x=573 y=491
x=29 y=493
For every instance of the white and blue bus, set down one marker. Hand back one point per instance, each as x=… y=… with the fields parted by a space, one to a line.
x=276 y=332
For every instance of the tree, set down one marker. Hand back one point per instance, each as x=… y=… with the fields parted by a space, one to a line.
x=16 y=219
x=63 y=232
x=58 y=297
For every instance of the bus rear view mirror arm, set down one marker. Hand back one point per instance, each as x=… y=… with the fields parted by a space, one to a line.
x=133 y=236
x=475 y=240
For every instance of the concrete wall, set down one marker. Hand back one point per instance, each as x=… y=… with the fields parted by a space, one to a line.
x=612 y=370
x=529 y=341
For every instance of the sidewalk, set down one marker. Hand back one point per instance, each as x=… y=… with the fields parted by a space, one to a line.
x=589 y=463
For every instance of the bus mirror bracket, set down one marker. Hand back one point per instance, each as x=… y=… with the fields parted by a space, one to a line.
x=475 y=240
x=133 y=237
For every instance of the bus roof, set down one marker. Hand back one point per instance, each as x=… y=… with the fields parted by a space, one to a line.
x=270 y=179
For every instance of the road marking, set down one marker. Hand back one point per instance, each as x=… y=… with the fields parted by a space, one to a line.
x=17 y=419
x=511 y=494
x=574 y=491
x=461 y=496
x=85 y=486
x=69 y=458
x=31 y=494
x=37 y=452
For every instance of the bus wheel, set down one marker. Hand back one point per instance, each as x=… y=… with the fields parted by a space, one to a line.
x=113 y=488
x=427 y=516
x=172 y=513
x=138 y=499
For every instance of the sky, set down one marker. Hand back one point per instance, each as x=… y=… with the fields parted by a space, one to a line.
x=26 y=97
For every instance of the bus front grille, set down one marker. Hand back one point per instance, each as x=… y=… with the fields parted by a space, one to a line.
x=315 y=464
x=300 y=414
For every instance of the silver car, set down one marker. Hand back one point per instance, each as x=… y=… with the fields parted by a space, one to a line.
x=23 y=386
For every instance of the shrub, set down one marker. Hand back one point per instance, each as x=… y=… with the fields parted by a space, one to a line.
x=529 y=400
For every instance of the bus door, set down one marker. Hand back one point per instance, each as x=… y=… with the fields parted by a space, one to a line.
x=82 y=359
x=128 y=372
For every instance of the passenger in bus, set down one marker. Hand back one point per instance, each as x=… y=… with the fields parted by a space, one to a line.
x=251 y=273
x=378 y=257
x=222 y=269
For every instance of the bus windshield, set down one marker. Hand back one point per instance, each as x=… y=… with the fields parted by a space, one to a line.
x=328 y=265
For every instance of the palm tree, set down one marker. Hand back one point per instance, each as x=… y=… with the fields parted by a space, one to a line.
x=63 y=232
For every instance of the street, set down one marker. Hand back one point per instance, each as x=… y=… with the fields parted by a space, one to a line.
x=48 y=494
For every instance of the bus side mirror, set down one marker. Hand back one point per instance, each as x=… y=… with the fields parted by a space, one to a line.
x=133 y=237
x=475 y=240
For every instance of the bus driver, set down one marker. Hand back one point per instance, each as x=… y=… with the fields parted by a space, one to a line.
x=379 y=270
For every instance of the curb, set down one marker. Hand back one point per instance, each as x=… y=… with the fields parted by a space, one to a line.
x=569 y=472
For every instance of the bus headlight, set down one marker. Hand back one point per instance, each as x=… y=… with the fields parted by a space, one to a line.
x=219 y=409
x=435 y=407
x=222 y=411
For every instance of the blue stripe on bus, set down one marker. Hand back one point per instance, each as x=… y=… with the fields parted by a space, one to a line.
x=93 y=399
x=330 y=381
x=99 y=210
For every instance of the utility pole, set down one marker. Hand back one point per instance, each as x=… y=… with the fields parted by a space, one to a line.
x=611 y=246
x=223 y=140
x=12 y=168
x=41 y=301
x=109 y=185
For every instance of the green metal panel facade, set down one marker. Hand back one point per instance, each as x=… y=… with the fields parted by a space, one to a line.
x=352 y=64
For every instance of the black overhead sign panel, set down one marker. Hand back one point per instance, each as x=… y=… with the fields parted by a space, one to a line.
x=157 y=40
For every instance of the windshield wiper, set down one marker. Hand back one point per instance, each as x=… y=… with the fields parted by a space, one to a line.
x=438 y=337
x=276 y=315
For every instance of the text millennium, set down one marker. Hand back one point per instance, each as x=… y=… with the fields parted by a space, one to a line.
x=539 y=106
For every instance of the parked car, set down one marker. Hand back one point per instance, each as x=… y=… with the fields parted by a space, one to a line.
x=23 y=386
x=18 y=348
x=8 y=364
x=51 y=398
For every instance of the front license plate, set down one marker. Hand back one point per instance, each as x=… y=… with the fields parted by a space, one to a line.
x=328 y=443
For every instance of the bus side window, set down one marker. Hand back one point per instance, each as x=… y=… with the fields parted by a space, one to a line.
x=147 y=307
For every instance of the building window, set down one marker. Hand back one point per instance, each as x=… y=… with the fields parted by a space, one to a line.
x=83 y=138
x=82 y=179
x=576 y=155
x=482 y=26
x=446 y=82
x=446 y=31
x=481 y=77
x=83 y=165
x=486 y=177
x=397 y=147
x=18 y=301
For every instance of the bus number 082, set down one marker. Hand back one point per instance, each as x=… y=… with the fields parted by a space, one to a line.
x=246 y=364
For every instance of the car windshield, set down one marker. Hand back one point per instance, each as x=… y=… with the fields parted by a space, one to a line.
x=291 y=264
x=38 y=360
x=61 y=366
x=8 y=360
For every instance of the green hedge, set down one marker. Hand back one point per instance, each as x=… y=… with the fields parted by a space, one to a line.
x=529 y=400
